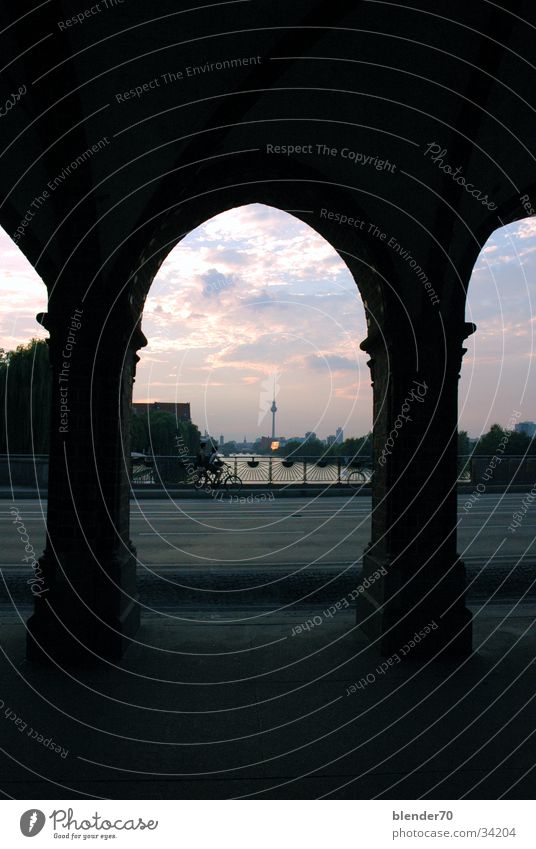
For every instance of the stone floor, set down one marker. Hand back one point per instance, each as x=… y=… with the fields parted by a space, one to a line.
x=203 y=707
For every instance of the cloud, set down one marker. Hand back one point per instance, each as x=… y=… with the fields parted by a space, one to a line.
x=229 y=257
x=214 y=283
x=353 y=392
x=526 y=229
x=331 y=362
x=255 y=289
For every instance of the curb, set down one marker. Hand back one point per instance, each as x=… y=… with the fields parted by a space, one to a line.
x=307 y=491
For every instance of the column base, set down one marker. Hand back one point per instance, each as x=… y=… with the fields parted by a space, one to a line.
x=417 y=616
x=86 y=617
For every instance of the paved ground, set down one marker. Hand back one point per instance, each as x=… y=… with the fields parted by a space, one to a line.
x=211 y=710
x=229 y=700
x=207 y=551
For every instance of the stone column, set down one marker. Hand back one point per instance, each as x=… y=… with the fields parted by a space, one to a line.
x=88 y=605
x=415 y=577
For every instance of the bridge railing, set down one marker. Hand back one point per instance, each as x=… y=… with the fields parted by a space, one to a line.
x=256 y=469
x=28 y=470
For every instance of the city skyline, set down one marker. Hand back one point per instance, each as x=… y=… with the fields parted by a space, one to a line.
x=254 y=292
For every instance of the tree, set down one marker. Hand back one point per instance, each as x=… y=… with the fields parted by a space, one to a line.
x=229 y=448
x=263 y=446
x=464 y=445
x=506 y=441
x=307 y=448
x=360 y=446
x=188 y=435
x=25 y=398
x=290 y=448
x=139 y=434
x=162 y=433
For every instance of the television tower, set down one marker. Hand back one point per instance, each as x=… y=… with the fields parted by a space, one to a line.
x=273 y=409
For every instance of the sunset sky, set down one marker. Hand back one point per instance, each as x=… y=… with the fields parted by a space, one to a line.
x=255 y=293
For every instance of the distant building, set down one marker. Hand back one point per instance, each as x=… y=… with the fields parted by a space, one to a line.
x=222 y=440
x=181 y=411
x=528 y=428
x=339 y=435
x=310 y=435
x=331 y=440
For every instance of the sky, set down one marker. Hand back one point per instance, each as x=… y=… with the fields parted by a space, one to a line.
x=254 y=298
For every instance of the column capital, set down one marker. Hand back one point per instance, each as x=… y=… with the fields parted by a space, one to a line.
x=422 y=349
x=454 y=333
x=89 y=332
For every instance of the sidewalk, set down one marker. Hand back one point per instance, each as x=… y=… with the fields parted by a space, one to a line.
x=201 y=709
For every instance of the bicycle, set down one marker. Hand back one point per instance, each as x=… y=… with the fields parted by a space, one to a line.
x=359 y=476
x=213 y=479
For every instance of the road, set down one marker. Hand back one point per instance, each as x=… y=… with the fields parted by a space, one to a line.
x=295 y=544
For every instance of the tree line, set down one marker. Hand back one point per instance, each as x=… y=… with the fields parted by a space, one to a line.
x=25 y=398
x=25 y=388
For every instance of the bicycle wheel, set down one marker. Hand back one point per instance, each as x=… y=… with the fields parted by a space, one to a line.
x=356 y=479
x=232 y=483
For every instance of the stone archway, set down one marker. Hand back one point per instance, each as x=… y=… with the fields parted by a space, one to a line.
x=89 y=562
x=412 y=572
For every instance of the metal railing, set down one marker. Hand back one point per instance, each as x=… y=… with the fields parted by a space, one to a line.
x=256 y=470
x=253 y=469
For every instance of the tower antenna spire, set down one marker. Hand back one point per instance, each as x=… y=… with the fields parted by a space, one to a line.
x=273 y=409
